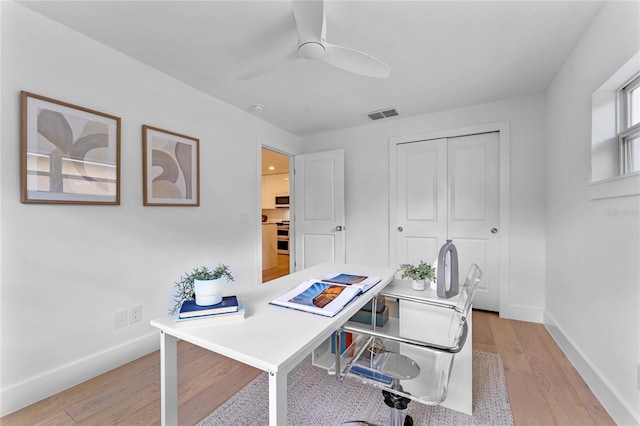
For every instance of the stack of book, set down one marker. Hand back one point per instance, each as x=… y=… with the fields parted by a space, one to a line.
x=229 y=309
x=382 y=313
x=346 y=339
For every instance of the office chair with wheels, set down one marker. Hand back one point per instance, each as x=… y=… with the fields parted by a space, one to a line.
x=406 y=368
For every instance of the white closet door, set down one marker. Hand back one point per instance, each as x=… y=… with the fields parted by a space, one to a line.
x=449 y=189
x=319 y=208
x=473 y=214
x=421 y=205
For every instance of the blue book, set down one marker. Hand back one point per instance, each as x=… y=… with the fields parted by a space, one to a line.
x=361 y=370
x=189 y=309
x=364 y=317
x=209 y=319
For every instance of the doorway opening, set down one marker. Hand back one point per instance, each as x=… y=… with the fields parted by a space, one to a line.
x=276 y=243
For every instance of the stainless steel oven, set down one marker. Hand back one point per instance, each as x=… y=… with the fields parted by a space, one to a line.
x=282 y=237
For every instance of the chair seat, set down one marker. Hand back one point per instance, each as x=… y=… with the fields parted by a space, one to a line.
x=423 y=373
x=395 y=365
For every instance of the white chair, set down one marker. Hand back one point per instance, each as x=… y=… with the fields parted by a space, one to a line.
x=387 y=362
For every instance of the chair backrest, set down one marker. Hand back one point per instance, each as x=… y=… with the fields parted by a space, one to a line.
x=465 y=298
x=468 y=289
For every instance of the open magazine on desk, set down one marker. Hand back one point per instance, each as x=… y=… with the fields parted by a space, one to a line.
x=327 y=296
x=362 y=282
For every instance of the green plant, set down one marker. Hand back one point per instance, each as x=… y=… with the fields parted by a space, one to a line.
x=420 y=272
x=184 y=287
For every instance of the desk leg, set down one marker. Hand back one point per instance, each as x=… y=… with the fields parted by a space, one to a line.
x=168 y=379
x=277 y=398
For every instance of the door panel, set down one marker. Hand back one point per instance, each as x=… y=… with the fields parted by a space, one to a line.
x=421 y=189
x=474 y=211
x=319 y=208
x=421 y=200
x=318 y=191
x=318 y=249
x=468 y=183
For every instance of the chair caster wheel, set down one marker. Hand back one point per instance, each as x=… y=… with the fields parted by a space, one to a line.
x=408 y=421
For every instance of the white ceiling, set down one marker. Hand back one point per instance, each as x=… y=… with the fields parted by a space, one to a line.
x=443 y=54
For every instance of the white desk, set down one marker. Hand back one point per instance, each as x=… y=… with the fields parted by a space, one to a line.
x=271 y=338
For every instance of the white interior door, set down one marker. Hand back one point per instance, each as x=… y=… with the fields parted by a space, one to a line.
x=319 y=220
x=448 y=188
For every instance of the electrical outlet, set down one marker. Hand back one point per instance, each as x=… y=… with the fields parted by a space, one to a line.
x=135 y=314
x=120 y=319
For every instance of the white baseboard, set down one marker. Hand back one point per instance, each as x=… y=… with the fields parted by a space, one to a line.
x=20 y=395
x=522 y=313
x=621 y=413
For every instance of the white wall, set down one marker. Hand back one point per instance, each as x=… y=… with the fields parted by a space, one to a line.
x=593 y=246
x=54 y=259
x=367 y=188
x=67 y=269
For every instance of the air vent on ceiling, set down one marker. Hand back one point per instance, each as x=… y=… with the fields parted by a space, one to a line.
x=385 y=113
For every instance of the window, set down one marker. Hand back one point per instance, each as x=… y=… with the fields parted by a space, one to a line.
x=615 y=134
x=629 y=135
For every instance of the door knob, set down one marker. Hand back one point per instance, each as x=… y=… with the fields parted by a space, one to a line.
x=339 y=228
x=400 y=229
x=494 y=230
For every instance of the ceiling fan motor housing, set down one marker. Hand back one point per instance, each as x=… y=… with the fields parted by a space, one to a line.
x=311 y=50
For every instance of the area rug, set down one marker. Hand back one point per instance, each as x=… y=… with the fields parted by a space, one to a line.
x=317 y=399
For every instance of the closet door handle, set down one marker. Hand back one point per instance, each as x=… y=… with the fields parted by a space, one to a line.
x=494 y=230
x=400 y=229
x=339 y=228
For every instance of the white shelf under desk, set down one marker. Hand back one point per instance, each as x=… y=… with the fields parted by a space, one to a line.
x=323 y=357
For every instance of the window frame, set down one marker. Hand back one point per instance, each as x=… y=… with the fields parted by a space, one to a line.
x=626 y=131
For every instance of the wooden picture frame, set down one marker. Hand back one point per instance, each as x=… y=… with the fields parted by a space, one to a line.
x=68 y=154
x=170 y=168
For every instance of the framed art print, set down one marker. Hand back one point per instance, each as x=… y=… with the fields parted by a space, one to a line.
x=69 y=154
x=170 y=167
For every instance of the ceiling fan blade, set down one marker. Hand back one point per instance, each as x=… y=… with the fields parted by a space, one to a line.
x=269 y=63
x=355 y=61
x=309 y=16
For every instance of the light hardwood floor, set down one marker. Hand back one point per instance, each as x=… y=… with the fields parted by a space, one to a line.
x=281 y=269
x=544 y=389
x=543 y=386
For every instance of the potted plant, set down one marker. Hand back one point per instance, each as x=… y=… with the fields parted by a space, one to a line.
x=418 y=274
x=202 y=284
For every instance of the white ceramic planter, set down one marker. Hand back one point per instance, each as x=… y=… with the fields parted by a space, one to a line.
x=418 y=284
x=422 y=284
x=208 y=292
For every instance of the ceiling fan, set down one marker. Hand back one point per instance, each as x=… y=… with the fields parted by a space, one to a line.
x=311 y=20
